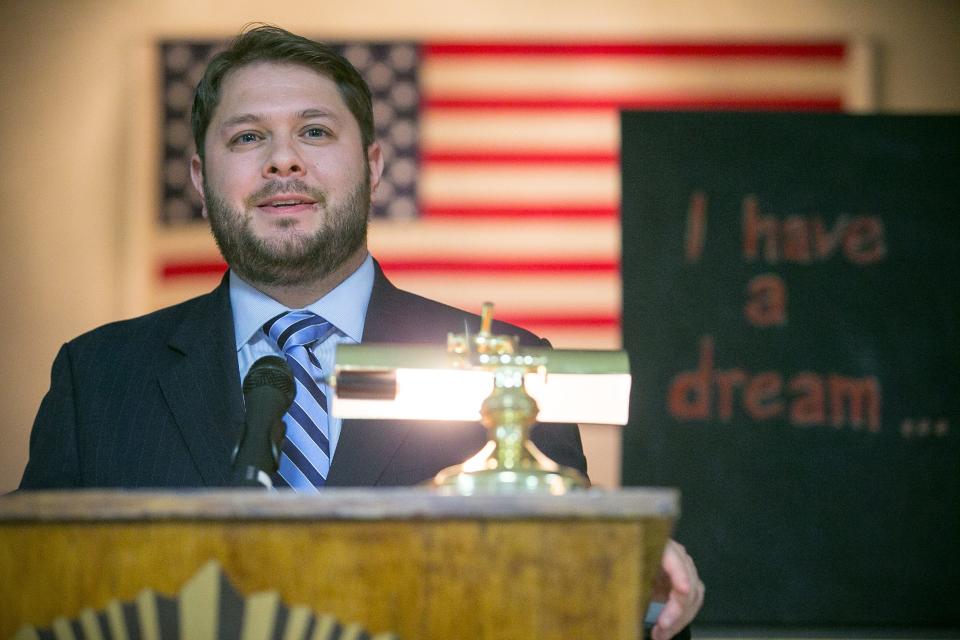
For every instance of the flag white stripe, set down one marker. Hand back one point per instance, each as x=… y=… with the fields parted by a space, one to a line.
x=519 y=184
x=578 y=337
x=544 y=130
x=509 y=239
x=614 y=76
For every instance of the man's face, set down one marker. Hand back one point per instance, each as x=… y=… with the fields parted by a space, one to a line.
x=285 y=183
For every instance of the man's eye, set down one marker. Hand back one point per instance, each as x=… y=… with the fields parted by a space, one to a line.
x=316 y=132
x=246 y=138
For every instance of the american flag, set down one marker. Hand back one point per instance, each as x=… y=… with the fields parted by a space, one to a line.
x=502 y=180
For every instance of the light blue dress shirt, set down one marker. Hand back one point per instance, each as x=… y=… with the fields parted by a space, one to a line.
x=345 y=307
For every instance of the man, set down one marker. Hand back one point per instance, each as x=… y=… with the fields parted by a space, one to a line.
x=286 y=164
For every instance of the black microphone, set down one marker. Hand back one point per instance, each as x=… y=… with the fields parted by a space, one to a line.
x=268 y=392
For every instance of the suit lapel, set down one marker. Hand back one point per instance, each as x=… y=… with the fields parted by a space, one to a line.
x=201 y=384
x=366 y=447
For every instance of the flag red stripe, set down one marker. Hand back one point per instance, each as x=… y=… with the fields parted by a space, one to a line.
x=500 y=266
x=519 y=212
x=818 y=50
x=771 y=103
x=173 y=270
x=543 y=320
x=520 y=157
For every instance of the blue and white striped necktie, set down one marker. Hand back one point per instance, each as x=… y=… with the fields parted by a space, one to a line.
x=305 y=454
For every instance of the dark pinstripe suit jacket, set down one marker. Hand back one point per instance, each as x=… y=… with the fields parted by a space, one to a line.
x=156 y=402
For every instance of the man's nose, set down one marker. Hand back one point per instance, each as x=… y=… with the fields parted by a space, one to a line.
x=283 y=160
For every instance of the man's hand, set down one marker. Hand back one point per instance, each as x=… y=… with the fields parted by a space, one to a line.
x=680 y=587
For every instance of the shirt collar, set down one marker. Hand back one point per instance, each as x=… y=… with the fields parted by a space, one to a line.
x=345 y=306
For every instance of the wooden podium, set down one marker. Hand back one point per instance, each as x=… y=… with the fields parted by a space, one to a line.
x=407 y=561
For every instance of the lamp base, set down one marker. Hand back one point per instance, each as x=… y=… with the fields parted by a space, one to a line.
x=462 y=481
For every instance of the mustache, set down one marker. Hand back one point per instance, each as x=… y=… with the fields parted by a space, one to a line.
x=292 y=187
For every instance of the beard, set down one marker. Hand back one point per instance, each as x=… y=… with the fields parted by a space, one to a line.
x=292 y=258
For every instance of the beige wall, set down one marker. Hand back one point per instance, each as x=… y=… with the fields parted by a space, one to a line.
x=75 y=85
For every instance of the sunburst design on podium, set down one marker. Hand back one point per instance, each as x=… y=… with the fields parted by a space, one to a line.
x=208 y=607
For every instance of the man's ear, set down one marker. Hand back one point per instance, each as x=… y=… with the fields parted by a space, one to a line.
x=196 y=176
x=375 y=161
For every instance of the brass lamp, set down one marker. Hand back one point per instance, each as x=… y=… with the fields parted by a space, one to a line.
x=489 y=378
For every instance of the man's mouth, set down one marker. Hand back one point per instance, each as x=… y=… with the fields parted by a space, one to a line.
x=285 y=201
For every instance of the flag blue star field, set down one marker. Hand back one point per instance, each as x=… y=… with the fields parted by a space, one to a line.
x=502 y=162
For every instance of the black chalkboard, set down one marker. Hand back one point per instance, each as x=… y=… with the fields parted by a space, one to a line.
x=790 y=305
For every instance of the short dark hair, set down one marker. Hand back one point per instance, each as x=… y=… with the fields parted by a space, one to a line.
x=267 y=43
